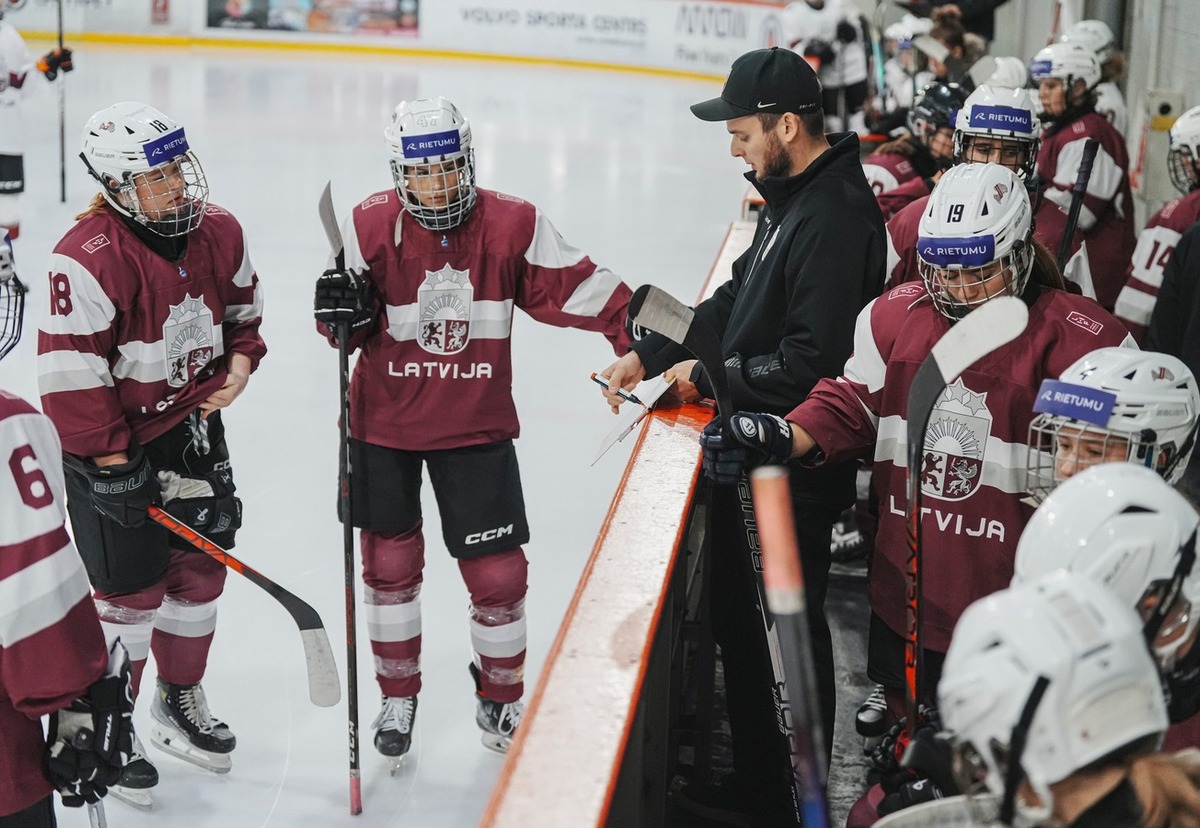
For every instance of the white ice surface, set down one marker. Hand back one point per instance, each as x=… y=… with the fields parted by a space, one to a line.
x=624 y=171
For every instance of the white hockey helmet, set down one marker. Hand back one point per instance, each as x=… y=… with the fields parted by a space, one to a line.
x=12 y=300
x=147 y=170
x=1094 y=35
x=1069 y=62
x=1114 y=404
x=1125 y=527
x=1058 y=664
x=1008 y=118
x=10 y=5
x=433 y=162
x=975 y=238
x=1010 y=73
x=1183 y=157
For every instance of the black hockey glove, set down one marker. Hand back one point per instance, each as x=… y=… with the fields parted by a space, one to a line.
x=53 y=62
x=819 y=49
x=124 y=492
x=909 y=794
x=345 y=296
x=206 y=504
x=91 y=741
x=751 y=440
x=847 y=32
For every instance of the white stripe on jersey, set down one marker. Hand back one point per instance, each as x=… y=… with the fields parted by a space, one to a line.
x=246 y=313
x=40 y=595
x=147 y=361
x=892 y=263
x=593 y=293
x=1106 y=175
x=71 y=371
x=866 y=365
x=548 y=249
x=1135 y=305
x=353 y=253
x=20 y=522
x=880 y=178
x=490 y=319
x=1004 y=463
x=91 y=309
x=245 y=274
x=1154 y=245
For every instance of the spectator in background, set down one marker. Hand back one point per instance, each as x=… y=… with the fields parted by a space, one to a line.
x=905 y=72
x=1110 y=101
x=977 y=16
x=830 y=36
x=950 y=49
x=1066 y=75
x=1144 y=276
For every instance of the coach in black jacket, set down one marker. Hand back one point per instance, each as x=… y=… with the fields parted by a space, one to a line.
x=786 y=320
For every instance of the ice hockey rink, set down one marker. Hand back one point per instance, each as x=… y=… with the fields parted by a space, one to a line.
x=625 y=173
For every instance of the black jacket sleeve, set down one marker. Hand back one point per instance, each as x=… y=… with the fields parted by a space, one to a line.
x=1175 y=323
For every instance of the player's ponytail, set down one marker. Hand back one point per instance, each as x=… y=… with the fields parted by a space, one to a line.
x=97 y=205
x=1168 y=786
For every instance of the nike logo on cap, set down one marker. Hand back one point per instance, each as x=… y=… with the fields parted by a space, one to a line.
x=765 y=105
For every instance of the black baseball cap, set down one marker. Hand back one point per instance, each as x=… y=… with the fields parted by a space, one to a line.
x=765 y=80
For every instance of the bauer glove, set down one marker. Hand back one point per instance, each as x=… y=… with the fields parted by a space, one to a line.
x=344 y=296
x=123 y=492
x=51 y=63
x=206 y=504
x=750 y=440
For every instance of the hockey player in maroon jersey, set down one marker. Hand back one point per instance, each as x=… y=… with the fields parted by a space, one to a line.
x=53 y=659
x=975 y=244
x=154 y=310
x=1066 y=75
x=434 y=268
x=1157 y=241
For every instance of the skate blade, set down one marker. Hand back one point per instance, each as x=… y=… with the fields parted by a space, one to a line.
x=140 y=798
x=395 y=764
x=496 y=742
x=171 y=741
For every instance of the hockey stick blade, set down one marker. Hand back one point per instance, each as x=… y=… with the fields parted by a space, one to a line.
x=324 y=689
x=329 y=219
x=659 y=311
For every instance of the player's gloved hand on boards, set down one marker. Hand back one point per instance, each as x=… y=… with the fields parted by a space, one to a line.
x=123 y=492
x=846 y=31
x=819 y=49
x=751 y=439
x=91 y=741
x=344 y=296
x=207 y=504
x=55 y=61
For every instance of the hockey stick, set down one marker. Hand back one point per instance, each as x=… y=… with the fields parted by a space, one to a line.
x=1078 y=191
x=783 y=581
x=334 y=234
x=62 y=119
x=660 y=312
x=985 y=329
x=323 y=687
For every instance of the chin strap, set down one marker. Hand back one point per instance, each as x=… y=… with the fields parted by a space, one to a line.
x=1183 y=568
x=1016 y=748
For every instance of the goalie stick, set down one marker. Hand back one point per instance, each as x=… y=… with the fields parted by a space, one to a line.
x=323 y=687
x=783 y=580
x=334 y=234
x=662 y=313
x=985 y=329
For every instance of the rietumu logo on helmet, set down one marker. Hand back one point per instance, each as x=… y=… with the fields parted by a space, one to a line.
x=440 y=143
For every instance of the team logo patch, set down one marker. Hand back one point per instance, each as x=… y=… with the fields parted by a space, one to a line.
x=906 y=290
x=1086 y=322
x=94 y=244
x=188 y=340
x=444 y=311
x=955 y=441
x=373 y=200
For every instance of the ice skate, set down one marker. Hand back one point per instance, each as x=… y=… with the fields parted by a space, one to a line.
x=183 y=726
x=393 y=729
x=138 y=778
x=871 y=720
x=497 y=720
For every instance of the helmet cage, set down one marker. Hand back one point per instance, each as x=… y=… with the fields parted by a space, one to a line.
x=449 y=184
x=1010 y=279
x=1024 y=149
x=12 y=310
x=1181 y=162
x=174 y=194
x=1050 y=434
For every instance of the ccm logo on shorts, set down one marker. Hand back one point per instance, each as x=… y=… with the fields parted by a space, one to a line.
x=490 y=534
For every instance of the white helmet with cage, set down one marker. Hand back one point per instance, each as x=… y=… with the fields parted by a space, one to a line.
x=1059 y=665
x=433 y=162
x=1069 y=62
x=1094 y=35
x=12 y=300
x=1114 y=404
x=1125 y=527
x=142 y=160
x=1010 y=73
x=975 y=238
x=1183 y=157
x=1006 y=117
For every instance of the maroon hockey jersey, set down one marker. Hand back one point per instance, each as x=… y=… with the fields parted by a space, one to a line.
x=1144 y=276
x=51 y=645
x=887 y=171
x=436 y=372
x=133 y=343
x=1106 y=216
x=902 y=244
x=973 y=477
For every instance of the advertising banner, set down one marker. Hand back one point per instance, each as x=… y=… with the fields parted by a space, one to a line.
x=368 y=17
